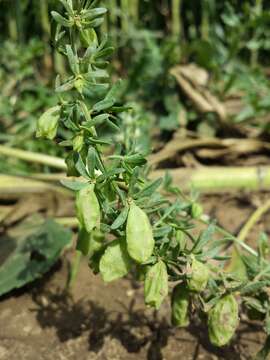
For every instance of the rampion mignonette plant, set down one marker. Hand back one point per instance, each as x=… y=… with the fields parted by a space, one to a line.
x=125 y=220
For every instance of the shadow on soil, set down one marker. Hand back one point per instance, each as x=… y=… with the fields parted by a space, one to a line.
x=132 y=328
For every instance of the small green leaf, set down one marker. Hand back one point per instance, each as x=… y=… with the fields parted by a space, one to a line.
x=120 y=220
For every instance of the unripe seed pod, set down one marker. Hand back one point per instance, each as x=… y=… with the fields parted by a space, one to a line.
x=115 y=262
x=88 y=210
x=199 y=276
x=90 y=243
x=196 y=210
x=180 y=305
x=78 y=142
x=140 y=240
x=156 y=284
x=223 y=320
x=48 y=123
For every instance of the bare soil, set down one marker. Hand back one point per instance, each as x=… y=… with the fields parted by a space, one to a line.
x=100 y=321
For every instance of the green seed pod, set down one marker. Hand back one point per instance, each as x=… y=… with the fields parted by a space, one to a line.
x=48 y=123
x=78 y=142
x=223 y=320
x=196 y=210
x=199 y=276
x=90 y=243
x=87 y=206
x=79 y=84
x=115 y=262
x=140 y=240
x=156 y=284
x=181 y=240
x=180 y=305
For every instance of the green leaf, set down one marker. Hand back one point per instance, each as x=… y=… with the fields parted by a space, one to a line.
x=73 y=184
x=73 y=60
x=115 y=262
x=80 y=166
x=149 y=189
x=120 y=220
x=29 y=253
x=103 y=104
x=61 y=20
x=93 y=13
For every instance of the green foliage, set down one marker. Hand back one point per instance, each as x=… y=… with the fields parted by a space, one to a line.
x=136 y=223
x=30 y=251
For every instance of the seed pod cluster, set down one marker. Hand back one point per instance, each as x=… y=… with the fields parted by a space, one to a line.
x=180 y=305
x=140 y=240
x=88 y=209
x=199 y=276
x=156 y=284
x=223 y=320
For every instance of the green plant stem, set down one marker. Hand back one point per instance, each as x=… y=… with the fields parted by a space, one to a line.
x=255 y=52
x=205 y=21
x=74 y=269
x=33 y=157
x=176 y=18
x=71 y=222
x=12 y=185
x=134 y=11
x=254 y=218
x=124 y=16
x=230 y=237
x=219 y=179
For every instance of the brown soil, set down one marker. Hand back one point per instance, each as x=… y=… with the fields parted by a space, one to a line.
x=99 y=321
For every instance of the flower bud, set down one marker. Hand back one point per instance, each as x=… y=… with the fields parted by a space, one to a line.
x=199 y=276
x=180 y=305
x=140 y=241
x=88 y=209
x=156 y=284
x=48 y=123
x=223 y=320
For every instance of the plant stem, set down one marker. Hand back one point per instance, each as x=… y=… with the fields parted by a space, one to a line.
x=17 y=185
x=125 y=16
x=74 y=269
x=254 y=218
x=71 y=222
x=219 y=179
x=176 y=18
x=33 y=157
